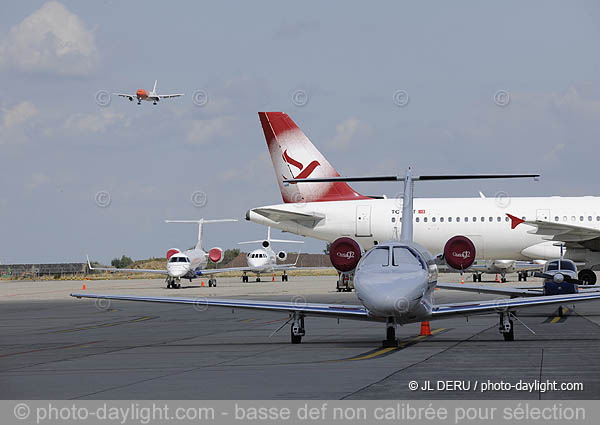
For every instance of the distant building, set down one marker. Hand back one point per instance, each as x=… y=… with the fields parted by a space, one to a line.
x=16 y=270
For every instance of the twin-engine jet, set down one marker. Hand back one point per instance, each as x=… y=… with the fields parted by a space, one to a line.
x=142 y=94
x=189 y=264
x=394 y=280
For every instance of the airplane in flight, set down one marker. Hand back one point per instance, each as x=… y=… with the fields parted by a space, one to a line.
x=331 y=209
x=394 y=280
x=142 y=94
x=189 y=264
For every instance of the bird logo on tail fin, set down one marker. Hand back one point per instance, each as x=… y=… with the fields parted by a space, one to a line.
x=305 y=172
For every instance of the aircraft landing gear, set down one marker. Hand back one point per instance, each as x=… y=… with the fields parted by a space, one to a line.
x=587 y=276
x=297 y=329
x=522 y=276
x=174 y=283
x=212 y=282
x=390 y=334
x=507 y=328
x=284 y=277
x=258 y=277
x=476 y=277
x=244 y=278
x=503 y=278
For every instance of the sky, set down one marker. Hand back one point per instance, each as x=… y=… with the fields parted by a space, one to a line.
x=444 y=87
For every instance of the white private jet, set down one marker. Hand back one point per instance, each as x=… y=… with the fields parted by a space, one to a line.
x=189 y=264
x=504 y=267
x=142 y=94
x=328 y=210
x=394 y=282
x=264 y=260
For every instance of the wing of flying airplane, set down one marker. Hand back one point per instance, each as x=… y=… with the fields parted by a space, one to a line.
x=167 y=96
x=125 y=95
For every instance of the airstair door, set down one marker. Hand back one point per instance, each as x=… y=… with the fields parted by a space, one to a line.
x=363 y=220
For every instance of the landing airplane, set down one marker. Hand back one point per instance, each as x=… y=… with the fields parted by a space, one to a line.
x=394 y=280
x=189 y=264
x=328 y=210
x=142 y=94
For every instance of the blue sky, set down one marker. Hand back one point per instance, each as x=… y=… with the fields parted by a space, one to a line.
x=60 y=147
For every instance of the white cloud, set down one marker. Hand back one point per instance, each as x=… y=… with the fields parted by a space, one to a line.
x=19 y=114
x=51 y=39
x=347 y=132
x=203 y=132
x=15 y=121
x=96 y=123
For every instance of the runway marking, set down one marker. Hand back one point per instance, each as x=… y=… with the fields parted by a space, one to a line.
x=105 y=325
x=384 y=351
x=557 y=318
x=85 y=344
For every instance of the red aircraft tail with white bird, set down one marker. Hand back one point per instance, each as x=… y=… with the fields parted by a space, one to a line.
x=294 y=156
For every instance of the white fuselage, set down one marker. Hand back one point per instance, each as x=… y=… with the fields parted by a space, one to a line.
x=183 y=263
x=436 y=220
x=262 y=260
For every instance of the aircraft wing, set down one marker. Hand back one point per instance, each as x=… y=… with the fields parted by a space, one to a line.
x=557 y=231
x=167 y=96
x=496 y=306
x=306 y=219
x=493 y=289
x=115 y=270
x=342 y=311
x=125 y=95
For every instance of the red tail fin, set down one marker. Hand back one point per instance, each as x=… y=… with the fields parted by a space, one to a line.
x=294 y=156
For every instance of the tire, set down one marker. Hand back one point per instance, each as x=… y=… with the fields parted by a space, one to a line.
x=296 y=339
x=510 y=336
x=258 y=279
x=474 y=278
x=587 y=276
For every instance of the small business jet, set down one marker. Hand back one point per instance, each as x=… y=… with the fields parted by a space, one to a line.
x=394 y=280
x=189 y=264
x=142 y=94
x=504 y=267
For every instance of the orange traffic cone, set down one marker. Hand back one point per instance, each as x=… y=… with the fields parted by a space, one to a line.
x=202 y=283
x=462 y=280
x=497 y=280
x=425 y=329
x=273 y=280
x=83 y=288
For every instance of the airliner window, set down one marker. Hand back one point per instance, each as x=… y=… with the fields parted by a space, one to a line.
x=441 y=219
x=433 y=219
x=580 y=218
x=449 y=219
x=425 y=219
x=491 y=219
x=590 y=218
x=402 y=256
x=556 y=218
x=498 y=219
x=378 y=257
x=458 y=219
x=417 y=219
x=393 y=219
x=482 y=219
x=466 y=219
x=506 y=219
x=474 y=219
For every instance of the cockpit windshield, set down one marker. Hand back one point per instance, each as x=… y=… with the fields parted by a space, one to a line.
x=561 y=265
x=179 y=260
x=378 y=257
x=402 y=256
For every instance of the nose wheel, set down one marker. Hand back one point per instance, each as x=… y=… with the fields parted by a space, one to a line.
x=390 y=334
x=174 y=283
x=507 y=327
x=212 y=282
x=297 y=329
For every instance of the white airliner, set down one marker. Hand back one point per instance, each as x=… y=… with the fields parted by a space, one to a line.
x=394 y=282
x=534 y=230
x=189 y=264
x=142 y=94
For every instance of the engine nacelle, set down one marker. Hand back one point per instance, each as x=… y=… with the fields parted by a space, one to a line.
x=266 y=244
x=345 y=254
x=130 y=98
x=459 y=252
x=171 y=252
x=215 y=255
x=282 y=255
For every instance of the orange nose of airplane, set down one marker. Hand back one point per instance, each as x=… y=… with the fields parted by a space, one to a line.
x=142 y=93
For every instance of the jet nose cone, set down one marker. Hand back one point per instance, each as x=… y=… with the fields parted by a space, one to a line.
x=390 y=295
x=177 y=271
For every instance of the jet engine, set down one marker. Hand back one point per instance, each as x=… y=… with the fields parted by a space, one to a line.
x=282 y=255
x=130 y=98
x=215 y=255
x=266 y=244
x=459 y=252
x=171 y=252
x=345 y=254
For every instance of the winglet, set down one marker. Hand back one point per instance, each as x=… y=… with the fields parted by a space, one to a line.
x=514 y=221
x=88 y=261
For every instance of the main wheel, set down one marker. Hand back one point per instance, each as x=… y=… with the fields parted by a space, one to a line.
x=474 y=278
x=510 y=336
x=587 y=276
x=258 y=279
x=296 y=339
